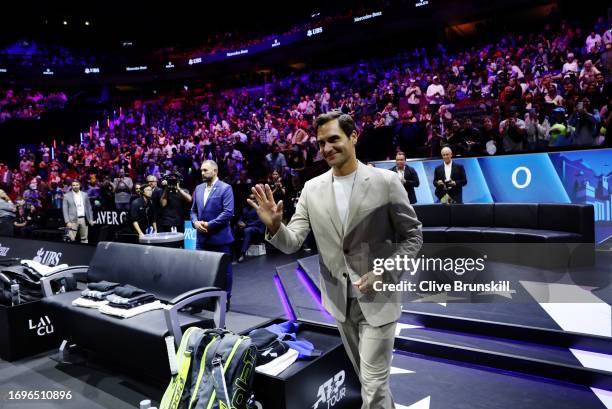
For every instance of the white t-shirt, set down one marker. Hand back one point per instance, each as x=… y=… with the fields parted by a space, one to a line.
x=431 y=93
x=343 y=188
x=78 y=201
x=570 y=66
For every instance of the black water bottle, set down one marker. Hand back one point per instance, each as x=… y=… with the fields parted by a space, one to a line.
x=15 y=296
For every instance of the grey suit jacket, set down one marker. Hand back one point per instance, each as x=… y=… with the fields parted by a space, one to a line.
x=70 y=211
x=381 y=224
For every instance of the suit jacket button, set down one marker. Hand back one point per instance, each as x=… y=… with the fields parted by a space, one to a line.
x=346 y=251
x=344 y=275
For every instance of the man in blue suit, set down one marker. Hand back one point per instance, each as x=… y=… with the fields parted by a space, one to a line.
x=211 y=213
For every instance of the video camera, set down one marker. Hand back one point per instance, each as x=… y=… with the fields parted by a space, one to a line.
x=172 y=180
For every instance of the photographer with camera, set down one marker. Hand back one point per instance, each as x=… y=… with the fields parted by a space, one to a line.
x=512 y=130
x=584 y=124
x=173 y=202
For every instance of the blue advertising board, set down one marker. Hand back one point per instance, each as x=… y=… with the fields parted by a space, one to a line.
x=583 y=177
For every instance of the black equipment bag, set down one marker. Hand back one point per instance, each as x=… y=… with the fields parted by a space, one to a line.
x=215 y=371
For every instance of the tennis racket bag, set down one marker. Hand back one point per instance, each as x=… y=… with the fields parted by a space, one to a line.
x=215 y=370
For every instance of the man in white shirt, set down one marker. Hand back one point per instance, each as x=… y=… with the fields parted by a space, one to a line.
x=351 y=208
x=77 y=212
x=571 y=65
x=435 y=94
x=413 y=92
x=593 y=40
x=449 y=179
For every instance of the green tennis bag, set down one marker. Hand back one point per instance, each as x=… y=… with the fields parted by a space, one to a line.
x=215 y=370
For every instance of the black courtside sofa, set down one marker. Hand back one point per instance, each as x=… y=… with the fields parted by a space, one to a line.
x=519 y=223
x=181 y=278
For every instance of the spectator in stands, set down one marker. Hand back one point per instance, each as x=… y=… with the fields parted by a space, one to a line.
x=535 y=130
x=5 y=175
x=560 y=132
x=20 y=220
x=32 y=221
x=389 y=115
x=7 y=214
x=584 y=124
x=593 y=41
x=297 y=159
x=77 y=212
x=470 y=138
x=275 y=160
x=122 y=186
x=435 y=94
x=512 y=131
x=276 y=184
x=571 y=65
x=32 y=196
x=107 y=194
x=414 y=93
x=249 y=229
x=93 y=190
x=588 y=72
x=324 y=100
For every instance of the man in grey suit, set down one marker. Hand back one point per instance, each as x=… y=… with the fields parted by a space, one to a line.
x=355 y=213
x=77 y=212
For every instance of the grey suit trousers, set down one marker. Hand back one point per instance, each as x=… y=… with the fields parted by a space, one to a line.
x=370 y=349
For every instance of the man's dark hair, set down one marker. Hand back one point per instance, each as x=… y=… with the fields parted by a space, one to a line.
x=346 y=122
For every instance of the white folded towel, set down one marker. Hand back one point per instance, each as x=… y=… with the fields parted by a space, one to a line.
x=88 y=303
x=278 y=365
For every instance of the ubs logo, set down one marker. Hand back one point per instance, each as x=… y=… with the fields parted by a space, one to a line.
x=49 y=258
x=331 y=392
x=42 y=327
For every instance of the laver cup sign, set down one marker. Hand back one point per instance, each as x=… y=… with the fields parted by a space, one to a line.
x=110 y=217
x=331 y=392
x=42 y=326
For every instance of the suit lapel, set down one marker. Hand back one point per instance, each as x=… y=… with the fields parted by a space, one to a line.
x=212 y=191
x=327 y=190
x=202 y=191
x=360 y=190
